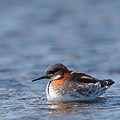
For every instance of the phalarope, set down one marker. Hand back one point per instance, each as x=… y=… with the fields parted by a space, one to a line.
x=66 y=85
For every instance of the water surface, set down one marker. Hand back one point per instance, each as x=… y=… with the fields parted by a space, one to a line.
x=83 y=35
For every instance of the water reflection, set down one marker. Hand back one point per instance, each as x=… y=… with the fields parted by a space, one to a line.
x=62 y=108
x=70 y=107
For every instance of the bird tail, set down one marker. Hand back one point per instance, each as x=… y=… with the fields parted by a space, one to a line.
x=107 y=82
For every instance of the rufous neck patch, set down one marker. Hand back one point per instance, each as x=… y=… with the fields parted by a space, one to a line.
x=59 y=81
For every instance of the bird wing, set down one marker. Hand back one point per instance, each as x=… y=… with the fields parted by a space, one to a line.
x=81 y=78
x=82 y=84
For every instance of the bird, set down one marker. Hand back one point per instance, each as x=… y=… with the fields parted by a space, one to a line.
x=67 y=85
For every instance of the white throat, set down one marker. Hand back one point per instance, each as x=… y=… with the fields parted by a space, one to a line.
x=56 y=77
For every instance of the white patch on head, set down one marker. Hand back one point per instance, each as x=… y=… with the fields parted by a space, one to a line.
x=56 y=77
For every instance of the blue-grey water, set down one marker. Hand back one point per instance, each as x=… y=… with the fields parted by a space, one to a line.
x=82 y=34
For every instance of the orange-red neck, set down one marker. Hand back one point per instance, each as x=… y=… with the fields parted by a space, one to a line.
x=59 y=81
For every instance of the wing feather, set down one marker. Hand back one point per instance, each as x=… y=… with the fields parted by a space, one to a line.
x=82 y=84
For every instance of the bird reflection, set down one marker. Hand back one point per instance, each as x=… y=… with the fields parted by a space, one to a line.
x=62 y=108
x=69 y=107
x=66 y=107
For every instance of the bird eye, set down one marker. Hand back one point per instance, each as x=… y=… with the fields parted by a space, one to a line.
x=54 y=71
x=51 y=72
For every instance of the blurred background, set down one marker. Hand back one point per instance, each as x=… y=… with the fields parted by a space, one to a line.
x=82 y=34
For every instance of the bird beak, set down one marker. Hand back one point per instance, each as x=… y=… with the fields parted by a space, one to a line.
x=43 y=77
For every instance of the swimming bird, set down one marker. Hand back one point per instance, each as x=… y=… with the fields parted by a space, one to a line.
x=67 y=85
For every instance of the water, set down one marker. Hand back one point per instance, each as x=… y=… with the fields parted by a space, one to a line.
x=83 y=35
